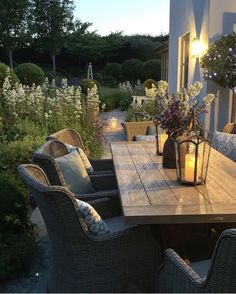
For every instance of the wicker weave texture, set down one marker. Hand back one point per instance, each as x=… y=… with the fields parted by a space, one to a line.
x=176 y=276
x=69 y=136
x=124 y=261
x=133 y=129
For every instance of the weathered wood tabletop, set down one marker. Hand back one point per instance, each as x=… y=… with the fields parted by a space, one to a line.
x=150 y=194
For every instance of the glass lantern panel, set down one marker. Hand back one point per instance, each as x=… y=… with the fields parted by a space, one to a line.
x=183 y=150
x=190 y=176
x=204 y=147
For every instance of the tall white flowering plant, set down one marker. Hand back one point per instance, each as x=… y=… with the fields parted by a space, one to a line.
x=50 y=107
x=174 y=110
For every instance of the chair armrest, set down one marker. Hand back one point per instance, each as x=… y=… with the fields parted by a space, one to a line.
x=103 y=182
x=106 y=207
x=100 y=194
x=175 y=276
x=102 y=164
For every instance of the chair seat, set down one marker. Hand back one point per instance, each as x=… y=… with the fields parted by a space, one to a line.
x=117 y=224
x=201 y=267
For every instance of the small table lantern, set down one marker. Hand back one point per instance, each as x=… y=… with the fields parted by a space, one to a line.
x=113 y=123
x=192 y=154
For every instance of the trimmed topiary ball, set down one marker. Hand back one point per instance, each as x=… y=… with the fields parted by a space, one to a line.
x=113 y=69
x=131 y=70
x=30 y=73
x=3 y=74
x=152 y=69
x=148 y=83
x=86 y=84
x=98 y=77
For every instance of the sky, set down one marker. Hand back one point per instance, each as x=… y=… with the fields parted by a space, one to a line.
x=130 y=16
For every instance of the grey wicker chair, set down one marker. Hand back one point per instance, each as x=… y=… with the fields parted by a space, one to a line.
x=71 y=137
x=45 y=156
x=176 y=276
x=230 y=128
x=123 y=260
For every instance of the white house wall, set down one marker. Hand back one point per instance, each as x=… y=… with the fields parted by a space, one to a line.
x=207 y=20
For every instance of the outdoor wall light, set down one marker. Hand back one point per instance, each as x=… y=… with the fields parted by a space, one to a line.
x=198 y=48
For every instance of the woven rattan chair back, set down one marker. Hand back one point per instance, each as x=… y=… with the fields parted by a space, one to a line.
x=45 y=156
x=222 y=273
x=230 y=128
x=68 y=136
x=81 y=262
x=58 y=209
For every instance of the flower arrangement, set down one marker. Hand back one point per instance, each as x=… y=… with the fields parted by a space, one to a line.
x=175 y=110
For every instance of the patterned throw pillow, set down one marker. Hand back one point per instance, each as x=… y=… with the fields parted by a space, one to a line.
x=92 y=219
x=145 y=138
x=225 y=143
x=74 y=173
x=83 y=156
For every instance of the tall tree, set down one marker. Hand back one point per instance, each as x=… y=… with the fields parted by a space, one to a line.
x=113 y=42
x=219 y=65
x=86 y=45
x=14 y=17
x=53 y=21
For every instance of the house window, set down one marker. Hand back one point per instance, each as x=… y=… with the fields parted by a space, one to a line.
x=184 y=61
x=164 y=64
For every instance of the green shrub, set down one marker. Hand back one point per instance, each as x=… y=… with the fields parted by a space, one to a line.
x=30 y=73
x=111 y=97
x=3 y=74
x=109 y=81
x=125 y=103
x=113 y=69
x=20 y=151
x=98 y=77
x=131 y=69
x=17 y=233
x=148 y=83
x=152 y=69
x=86 y=84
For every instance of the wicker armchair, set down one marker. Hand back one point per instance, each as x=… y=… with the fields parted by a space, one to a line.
x=230 y=128
x=123 y=260
x=45 y=156
x=136 y=128
x=71 y=137
x=176 y=276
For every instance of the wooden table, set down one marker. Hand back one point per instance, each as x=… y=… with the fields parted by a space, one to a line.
x=151 y=195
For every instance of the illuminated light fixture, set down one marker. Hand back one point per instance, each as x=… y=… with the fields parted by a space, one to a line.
x=113 y=123
x=198 y=48
x=192 y=154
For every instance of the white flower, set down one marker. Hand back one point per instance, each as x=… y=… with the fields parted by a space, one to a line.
x=209 y=98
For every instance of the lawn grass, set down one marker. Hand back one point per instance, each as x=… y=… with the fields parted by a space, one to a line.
x=111 y=97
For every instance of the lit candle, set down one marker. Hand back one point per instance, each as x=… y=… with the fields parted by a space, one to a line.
x=190 y=167
x=113 y=123
x=163 y=139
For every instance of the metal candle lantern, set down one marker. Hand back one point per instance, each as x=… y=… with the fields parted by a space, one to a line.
x=113 y=123
x=192 y=154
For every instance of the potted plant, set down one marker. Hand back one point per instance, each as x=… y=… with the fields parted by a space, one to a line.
x=174 y=111
x=138 y=121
